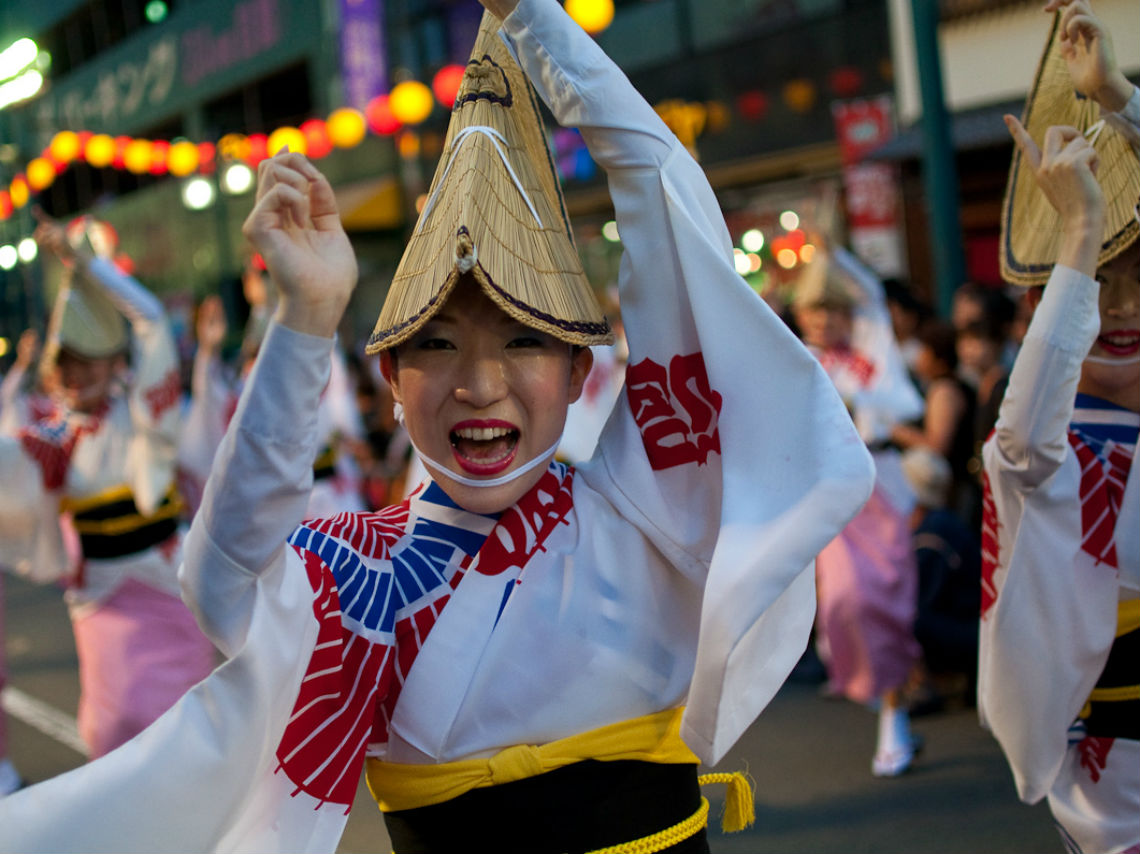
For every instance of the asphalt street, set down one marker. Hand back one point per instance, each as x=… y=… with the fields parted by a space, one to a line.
x=809 y=756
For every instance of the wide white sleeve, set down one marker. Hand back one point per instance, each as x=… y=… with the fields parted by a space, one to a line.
x=1030 y=438
x=31 y=542
x=729 y=448
x=259 y=486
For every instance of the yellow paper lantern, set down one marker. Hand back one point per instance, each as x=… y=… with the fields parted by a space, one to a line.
x=64 y=146
x=346 y=127
x=287 y=137
x=593 y=16
x=18 y=191
x=100 y=150
x=136 y=156
x=41 y=173
x=411 y=102
x=182 y=158
x=800 y=94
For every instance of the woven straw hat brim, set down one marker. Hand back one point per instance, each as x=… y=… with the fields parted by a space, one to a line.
x=86 y=323
x=1030 y=227
x=494 y=210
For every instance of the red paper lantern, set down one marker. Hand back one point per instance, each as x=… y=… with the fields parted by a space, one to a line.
x=845 y=81
x=159 y=151
x=5 y=204
x=316 y=138
x=752 y=106
x=379 y=115
x=207 y=157
x=118 y=160
x=446 y=82
x=258 y=148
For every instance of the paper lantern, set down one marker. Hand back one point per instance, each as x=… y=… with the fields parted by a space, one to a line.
x=317 y=141
x=380 y=117
x=258 y=149
x=159 y=149
x=119 y=157
x=752 y=106
x=18 y=191
x=346 y=127
x=207 y=157
x=286 y=137
x=5 y=204
x=136 y=156
x=799 y=95
x=99 y=151
x=411 y=102
x=41 y=173
x=183 y=158
x=64 y=146
x=593 y=16
x=445 y=84
x=845 y=81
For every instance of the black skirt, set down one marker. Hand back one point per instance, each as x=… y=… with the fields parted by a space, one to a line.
x=577 y=808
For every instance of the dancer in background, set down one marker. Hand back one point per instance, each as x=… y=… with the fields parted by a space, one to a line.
x=101 y=448
x=866 y=577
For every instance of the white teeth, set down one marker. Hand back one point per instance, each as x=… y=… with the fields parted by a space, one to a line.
x=482 y=434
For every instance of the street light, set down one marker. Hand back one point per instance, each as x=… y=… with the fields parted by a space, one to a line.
x=27 y=250
x=8 y=257
x=237 y=178
x=198 y=193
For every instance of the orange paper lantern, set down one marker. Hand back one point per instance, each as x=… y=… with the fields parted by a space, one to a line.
x=287 y=137
x=593 y=16
x=411 y=102
x=346 y=127
x=64 y=146
x=317 y=140
x=136 y=156
x=99 y=151
x=18 y=191
x=183 y=158
x=800 y=94
x=380 y=117
x=41 y=173
x=446 y=82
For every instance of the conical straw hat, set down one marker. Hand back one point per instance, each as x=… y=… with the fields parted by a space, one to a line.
x=1030 y=227
x=494 y=210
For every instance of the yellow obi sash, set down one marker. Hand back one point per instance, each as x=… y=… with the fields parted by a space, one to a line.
x=652 y=738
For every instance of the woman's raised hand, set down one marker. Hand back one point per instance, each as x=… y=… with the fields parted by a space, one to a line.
x=1065 y=169
x=1086 y=46
x=296 y=228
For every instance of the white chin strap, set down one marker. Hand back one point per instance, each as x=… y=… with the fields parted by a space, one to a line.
x=1106 y=360
x=497 y=481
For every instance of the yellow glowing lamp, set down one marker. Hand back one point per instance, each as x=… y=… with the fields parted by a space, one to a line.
x=136 y=156
x=287 y=137
x=64 y=146
x=800 y=94
x=100 y=150
x=593 y=16
x=411 y=102
x=41 y=173
x=346 y=127
x=18 y=192
x=183 y=157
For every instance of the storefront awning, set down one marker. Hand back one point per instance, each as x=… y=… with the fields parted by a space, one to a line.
x=969 y=130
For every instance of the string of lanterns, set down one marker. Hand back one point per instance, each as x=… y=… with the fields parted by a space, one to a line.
x=409 y=103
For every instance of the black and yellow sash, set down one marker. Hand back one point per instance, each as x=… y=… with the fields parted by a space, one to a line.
x=110 y=525
x=1113 y=709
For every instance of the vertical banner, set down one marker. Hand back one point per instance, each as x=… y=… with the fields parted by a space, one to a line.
x=872 y=191
x=363 y=63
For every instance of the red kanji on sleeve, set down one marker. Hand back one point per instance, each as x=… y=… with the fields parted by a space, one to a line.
x=675 y=409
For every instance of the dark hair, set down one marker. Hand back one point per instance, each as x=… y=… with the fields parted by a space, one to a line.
x=940 y=337
x=988 y=328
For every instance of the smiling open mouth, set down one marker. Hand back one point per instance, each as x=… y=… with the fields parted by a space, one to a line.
x=1120 y=342
x=484 y=449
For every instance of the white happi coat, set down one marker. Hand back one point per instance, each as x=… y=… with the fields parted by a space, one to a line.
x=56 y=455
x=1052 y=579
x=679 y=569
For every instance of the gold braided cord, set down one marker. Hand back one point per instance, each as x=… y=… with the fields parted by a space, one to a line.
x=662 y=839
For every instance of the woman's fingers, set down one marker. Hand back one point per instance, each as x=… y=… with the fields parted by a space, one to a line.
x=1023 y=141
